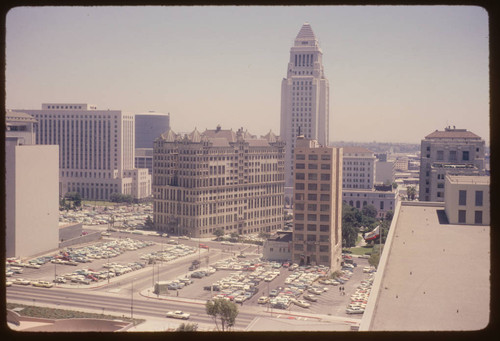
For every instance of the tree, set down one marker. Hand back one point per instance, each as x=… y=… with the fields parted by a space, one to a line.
x=187 y=327
x=218 y=233
x=149 y=223
x=75 y=197
x=388 y=216
x=225 y=311
x=411 y=192
x=369 y=211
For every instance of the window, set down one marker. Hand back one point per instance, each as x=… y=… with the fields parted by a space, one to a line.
x=324 y=217
x=325 y=166
x=312 y=176
x=300 y=176
x=478 y=217
x=312 y=187
x=453 y=155
x=325 y=197
x=325 y=187
x=313 y=166
x=440 y=155
x=299 y=186
x=300 y=165
x=299 y=206
x=465 y=155
x=299 y=237
x=311 y=207
x=323 y=248
x=479 y=198
x=311 y=228
x=299 y=247
x=462 y=197
x=313 y=156
x=311 y=248
x=299 y=216
x=300 y=157
x=324 y=228
x=311 y=217
x=325 y=176
x=461 y=216
x=324 y=238
x=299 y=227
x=324 y=207
x=325 y=157
x=312 y=196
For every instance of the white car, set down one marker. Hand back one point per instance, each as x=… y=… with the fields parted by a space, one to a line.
x=178 y=315
x=263 y=300
x=301 y=303
x=21 y=281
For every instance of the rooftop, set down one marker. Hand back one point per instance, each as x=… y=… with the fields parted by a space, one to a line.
x=453 y=133
x=469 y=179
x=432 y=275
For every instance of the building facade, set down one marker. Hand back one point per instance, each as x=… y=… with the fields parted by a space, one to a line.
x=31 y=197
x=383 y=201
x=467 y=199
x=148 y=127
x=304 y=98
x=278 y=247
x=358 y=168
x=218 y=179
x=454 y=151
x=96 y=149
x=317 y=233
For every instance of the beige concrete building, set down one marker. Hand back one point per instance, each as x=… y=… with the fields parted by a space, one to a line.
x=317 y=234
x=432 y=276
x=454 y=151
x=218 y=179
x=358 y=170
x=31 y=197
x=467 y=199
x=96 y=149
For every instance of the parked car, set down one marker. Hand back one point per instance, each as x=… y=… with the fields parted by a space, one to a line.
x=42 y=284
x=178 y=315
x=21 y=281
x=184 y=237
x=311 y=298
x=302 y=303
x=263 y=300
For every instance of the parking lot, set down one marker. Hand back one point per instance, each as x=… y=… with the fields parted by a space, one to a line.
x=244 y=279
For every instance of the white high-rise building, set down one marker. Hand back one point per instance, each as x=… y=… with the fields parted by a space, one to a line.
x=96 y=150
x=304 y=99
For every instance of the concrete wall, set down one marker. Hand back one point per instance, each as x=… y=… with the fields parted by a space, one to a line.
x=32 y=178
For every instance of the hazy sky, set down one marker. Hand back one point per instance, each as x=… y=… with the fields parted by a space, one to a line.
x=396 y=73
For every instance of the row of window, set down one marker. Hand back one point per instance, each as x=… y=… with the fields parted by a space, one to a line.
x=312 y=157
x=462 y=198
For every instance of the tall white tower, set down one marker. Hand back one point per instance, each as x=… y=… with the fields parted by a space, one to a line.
x=304 y=99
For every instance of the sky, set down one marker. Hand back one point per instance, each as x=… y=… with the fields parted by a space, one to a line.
x=396 y=73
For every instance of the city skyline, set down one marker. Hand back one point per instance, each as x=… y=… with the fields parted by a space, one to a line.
x=396 y=73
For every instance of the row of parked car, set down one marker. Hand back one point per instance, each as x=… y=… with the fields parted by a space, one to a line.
x=360 y=298
x=21 y=281
x=302 y=281
x=168 y=254
x=87 y=276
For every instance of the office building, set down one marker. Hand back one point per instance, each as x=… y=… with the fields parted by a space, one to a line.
x=148 y=127
x=358 y=168
x=218 y=179
x=317 y=233
x=96 y=149
x=304 y=99
x=31 y=190
x=454 y=151
x=467 y=199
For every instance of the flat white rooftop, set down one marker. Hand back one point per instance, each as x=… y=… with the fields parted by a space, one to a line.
x=435 y=276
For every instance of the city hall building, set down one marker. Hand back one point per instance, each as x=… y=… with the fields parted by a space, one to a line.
x=218 y=179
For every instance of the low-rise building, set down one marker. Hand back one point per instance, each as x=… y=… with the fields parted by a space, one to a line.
x=278 y=247
x=467 y=199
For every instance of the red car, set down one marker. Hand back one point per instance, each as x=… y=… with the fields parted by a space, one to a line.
x=203 y=246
